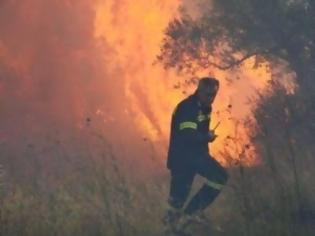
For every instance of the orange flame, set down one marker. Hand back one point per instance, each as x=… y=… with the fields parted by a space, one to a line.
x=83 y=58
x=135 y=32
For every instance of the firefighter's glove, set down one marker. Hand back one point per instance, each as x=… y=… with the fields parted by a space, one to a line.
x=212 y=136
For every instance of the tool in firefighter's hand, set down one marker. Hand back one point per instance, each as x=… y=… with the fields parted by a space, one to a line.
x=217 y=125
x=212 y=135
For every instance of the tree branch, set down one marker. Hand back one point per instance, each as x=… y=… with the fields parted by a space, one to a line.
x=235 y=63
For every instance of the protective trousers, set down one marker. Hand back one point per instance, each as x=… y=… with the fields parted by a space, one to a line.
x=182 y=179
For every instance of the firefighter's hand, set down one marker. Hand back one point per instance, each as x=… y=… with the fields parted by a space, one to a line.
x=212 y=136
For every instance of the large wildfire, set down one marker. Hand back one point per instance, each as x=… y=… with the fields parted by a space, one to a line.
x=68 y=62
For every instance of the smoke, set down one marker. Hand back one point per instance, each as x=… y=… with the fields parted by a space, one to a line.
x=68 y=66
x=52 y=68
x=47 y=60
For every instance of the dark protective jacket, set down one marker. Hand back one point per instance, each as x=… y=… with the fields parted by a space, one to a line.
x=189 y=133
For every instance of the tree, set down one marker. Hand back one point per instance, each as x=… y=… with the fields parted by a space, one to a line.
x=281 y=32
x=228 y=32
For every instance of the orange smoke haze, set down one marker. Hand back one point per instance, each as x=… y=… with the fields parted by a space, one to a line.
x=135 y=32
x=63 y=62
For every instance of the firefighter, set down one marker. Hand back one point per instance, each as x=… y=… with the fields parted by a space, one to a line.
x=188 y=155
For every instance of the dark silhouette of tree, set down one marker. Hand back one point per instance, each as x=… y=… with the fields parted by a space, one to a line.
x=228 y=32
x=281 y=32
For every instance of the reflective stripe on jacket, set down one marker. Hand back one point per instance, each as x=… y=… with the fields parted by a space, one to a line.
x=189 y=132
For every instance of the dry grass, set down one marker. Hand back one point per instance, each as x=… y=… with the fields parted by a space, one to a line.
x=79 y=186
